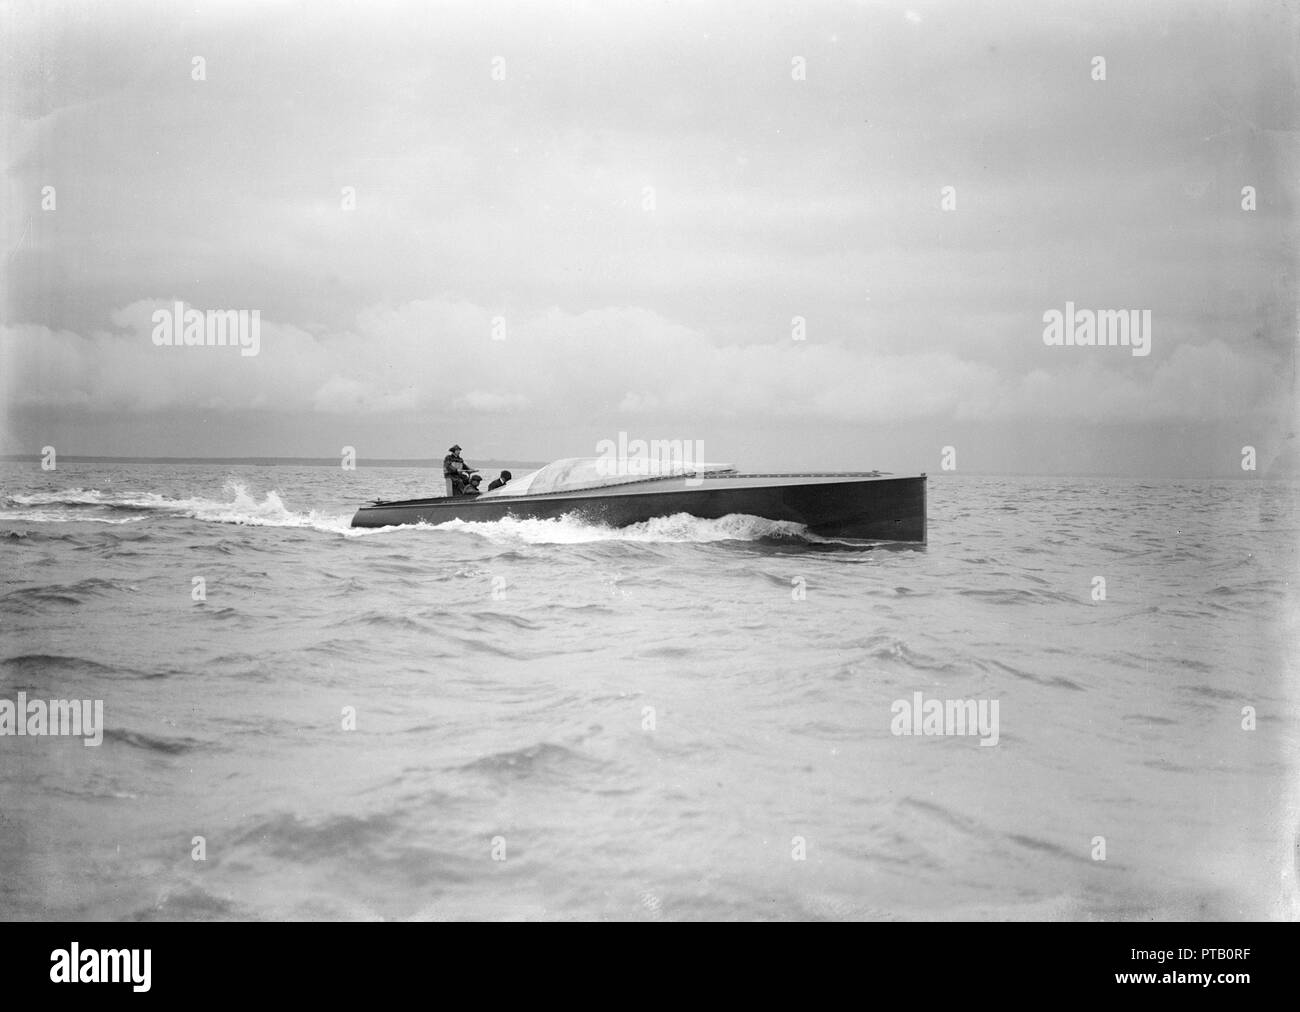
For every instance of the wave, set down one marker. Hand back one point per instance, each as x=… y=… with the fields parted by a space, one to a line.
x=36 y=600
x=243 y=508
x=54 y=516
x=681 y=528
x=26 y=664
x=151 y=743
x=544 y=759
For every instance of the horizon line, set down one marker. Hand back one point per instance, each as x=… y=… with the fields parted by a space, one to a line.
x=281 y=461
x=87 y=458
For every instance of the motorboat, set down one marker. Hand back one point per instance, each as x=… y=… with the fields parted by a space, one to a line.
x=859 y=505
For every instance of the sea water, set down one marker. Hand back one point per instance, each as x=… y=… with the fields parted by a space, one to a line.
x=685 y=719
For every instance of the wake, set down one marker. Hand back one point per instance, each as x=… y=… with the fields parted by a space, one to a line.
x=681 y=528
x=243 y=508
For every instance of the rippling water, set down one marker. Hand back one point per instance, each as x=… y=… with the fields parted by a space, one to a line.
x=684 y=719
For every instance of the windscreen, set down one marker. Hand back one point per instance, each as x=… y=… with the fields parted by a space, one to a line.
x=573 y=473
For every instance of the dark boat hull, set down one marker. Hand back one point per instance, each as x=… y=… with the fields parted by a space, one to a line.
x=869 y=507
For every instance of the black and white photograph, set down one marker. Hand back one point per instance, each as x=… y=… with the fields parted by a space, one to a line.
x=646 y=461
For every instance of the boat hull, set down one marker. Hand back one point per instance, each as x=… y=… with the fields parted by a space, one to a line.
x=867 y=507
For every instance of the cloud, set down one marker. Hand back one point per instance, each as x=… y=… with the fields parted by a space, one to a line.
x=440 y=355
x=520 y=200
x=489 y=403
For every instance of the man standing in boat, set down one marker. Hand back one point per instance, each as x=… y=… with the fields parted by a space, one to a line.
x=455 y=471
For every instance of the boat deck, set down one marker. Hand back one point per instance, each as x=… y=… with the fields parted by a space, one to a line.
x=658 y=483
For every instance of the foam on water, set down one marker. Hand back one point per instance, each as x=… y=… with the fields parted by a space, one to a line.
x=681 y=528
x=243 y=508
x=53 y=515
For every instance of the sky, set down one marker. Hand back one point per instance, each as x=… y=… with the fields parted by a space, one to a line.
x=806 y=235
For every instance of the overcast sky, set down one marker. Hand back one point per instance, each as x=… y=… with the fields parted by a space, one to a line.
x=643 y=197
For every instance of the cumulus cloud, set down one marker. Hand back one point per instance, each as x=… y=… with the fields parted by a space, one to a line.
x=440 y=354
